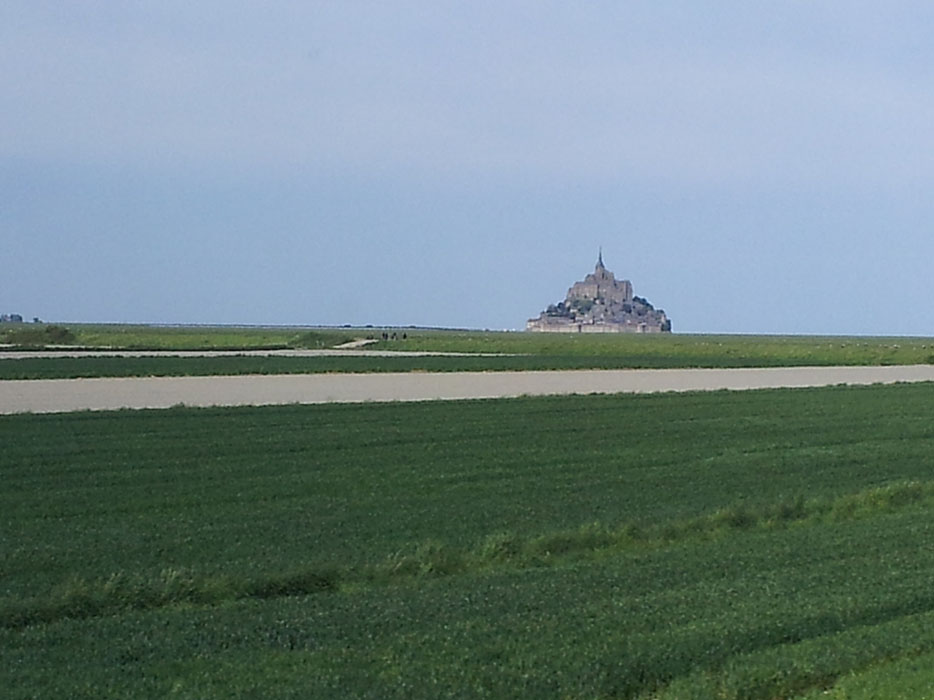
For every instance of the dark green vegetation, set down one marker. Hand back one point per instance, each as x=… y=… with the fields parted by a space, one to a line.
x=911 y=678
x=732 y=545
x=33 y=336
x=146 y=337
x=521 y=351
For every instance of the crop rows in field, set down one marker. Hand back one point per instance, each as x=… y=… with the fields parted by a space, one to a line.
x=82 y=598
x=908 y=678
x=758 y=544
x=756 y=615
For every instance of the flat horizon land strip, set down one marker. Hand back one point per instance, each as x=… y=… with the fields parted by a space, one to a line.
x=168 y=337
x=758 y=544
x=518 y=350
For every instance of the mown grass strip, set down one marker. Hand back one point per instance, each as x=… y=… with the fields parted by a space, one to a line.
x=79 y=598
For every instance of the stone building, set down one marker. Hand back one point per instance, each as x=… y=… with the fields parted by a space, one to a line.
x=600 y=303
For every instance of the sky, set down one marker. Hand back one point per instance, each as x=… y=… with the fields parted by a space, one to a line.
x=751 y=167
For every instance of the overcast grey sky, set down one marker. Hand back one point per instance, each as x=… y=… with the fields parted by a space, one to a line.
x=751 y=167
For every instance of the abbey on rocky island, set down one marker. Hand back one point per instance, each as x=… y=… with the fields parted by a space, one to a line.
x=600 y=303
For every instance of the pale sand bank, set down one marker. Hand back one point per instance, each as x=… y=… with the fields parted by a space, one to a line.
x=60 y=395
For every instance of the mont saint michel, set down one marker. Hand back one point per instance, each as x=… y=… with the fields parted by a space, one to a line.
x=600 y=303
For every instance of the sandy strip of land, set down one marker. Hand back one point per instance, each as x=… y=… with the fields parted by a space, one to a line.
x=60 y=395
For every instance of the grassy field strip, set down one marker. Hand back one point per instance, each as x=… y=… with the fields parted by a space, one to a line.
x=65 y=395
x=82 y=598
x=685 y=350
x=141 y=351
x=748 y=545
x=908 y=678
x=763 y=615
x=160 y=337
x=115 y=353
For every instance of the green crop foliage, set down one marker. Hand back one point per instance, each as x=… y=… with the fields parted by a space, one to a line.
x=513 y=351
x=688 y=348
x=149 y=337
x=908 y=678
x=29 y=336
x=755 y=544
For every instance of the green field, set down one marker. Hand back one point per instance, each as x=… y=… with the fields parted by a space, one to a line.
x=155 y=337
x=654 y=350
x=519 y=351
x=911 y=678
x=725 y=545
